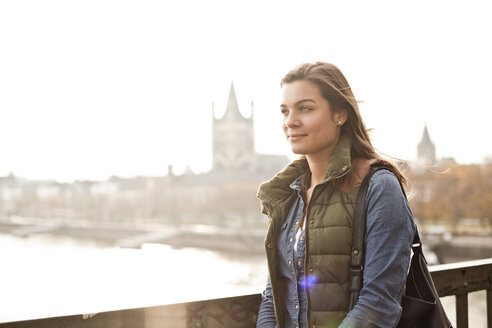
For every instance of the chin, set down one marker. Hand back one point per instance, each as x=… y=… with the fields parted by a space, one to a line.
x=298 y=151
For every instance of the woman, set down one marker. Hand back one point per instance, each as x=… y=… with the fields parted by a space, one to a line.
x=311 y=205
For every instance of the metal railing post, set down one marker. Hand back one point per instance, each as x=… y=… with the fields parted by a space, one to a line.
x=462 y=310
x=489 y=308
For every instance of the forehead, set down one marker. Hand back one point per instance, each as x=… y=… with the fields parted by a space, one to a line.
x=298 y=90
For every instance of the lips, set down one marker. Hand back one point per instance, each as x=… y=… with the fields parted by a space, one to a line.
x=296 y=136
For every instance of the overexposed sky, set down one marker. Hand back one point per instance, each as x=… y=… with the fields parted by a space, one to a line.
x=90 y=89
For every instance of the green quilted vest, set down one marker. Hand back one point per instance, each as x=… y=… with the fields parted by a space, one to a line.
x=328 y=235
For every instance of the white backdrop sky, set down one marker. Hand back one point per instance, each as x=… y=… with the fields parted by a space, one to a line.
x=90 y=89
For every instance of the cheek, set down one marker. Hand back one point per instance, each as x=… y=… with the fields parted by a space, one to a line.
x=284 y=127
x=326 y=128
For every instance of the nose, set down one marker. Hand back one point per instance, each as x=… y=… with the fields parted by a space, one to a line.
x=291 y=120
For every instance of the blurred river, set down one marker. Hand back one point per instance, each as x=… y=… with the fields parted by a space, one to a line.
x=46 y=277
x=42 y=276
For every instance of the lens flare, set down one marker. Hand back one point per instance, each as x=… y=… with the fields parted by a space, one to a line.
x=308 y=281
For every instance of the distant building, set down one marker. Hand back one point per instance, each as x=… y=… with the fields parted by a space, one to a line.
x=447 y=161
x=228 y=191
x=226 y=195
x=426 y=154
x=234 y=145
x=233 y=138
x=426 y=150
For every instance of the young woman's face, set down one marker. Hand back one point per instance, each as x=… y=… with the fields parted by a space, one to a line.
x=309 y=124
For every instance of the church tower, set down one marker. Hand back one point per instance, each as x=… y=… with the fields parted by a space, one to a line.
x=233 y=138
x=426 y=150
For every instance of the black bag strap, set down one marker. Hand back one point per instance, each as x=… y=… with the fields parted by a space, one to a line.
x=358 y=232
x=358 y=237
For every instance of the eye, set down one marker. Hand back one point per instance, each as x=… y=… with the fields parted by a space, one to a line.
x=304 y=108
x=284 y=111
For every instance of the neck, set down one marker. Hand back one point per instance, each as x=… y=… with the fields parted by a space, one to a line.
x=318 y=165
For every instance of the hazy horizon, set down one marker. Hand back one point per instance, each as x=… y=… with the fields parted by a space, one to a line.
x=95 y=89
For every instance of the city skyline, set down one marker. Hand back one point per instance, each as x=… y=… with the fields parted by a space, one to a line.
x=186 y=170
x=101 y=88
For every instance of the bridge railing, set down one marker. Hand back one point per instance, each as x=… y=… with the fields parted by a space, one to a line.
x=460 y=279
x=456 y=279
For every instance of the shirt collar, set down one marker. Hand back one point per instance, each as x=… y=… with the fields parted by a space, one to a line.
x=297 y=184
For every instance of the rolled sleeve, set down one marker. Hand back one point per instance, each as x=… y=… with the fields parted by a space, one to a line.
x=266 y=313
x=389 y=234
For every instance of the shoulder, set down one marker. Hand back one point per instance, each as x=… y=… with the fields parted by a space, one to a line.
x=385 y=194
x=278 y=188
x=384 y=178
x=384 y=183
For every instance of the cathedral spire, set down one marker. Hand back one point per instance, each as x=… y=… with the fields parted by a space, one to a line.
x=426 y=150
x=425 y=137
x=232 y=110
x=233 y=139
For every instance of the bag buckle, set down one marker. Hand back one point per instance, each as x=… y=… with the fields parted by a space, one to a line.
x=356 y=268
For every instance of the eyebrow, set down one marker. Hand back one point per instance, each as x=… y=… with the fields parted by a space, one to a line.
x=297 y=103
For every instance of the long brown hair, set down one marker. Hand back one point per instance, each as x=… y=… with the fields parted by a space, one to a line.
x=336 y=90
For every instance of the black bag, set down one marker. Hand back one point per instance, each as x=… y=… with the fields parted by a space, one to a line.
x=421 y=306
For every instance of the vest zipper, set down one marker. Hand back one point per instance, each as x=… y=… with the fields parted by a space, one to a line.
x=306 y=236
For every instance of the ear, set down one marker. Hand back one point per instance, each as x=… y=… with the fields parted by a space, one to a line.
x=341 y=116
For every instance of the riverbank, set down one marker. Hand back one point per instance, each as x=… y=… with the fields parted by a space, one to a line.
x=136 y=234
x=228 y=239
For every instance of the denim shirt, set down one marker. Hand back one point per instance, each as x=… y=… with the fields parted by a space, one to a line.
x=292 y=268
x=389 y=235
